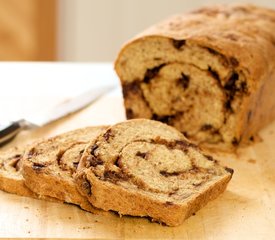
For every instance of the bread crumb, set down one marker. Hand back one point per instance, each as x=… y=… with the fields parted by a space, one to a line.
x=27 y=220
x=26 y=207
x=251 y=161
x=86 y=227
x=256 y=138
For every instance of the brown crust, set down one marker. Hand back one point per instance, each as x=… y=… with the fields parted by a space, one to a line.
x=108 y=196
x=192 y=27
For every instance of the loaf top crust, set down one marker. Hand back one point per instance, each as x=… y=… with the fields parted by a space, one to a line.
x=243 y=33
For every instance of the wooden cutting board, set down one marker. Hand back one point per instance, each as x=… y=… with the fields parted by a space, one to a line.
x=245 y=211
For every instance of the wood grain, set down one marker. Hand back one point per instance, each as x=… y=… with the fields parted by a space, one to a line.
x=46 y=27
x=27 y=30
x=245 y=211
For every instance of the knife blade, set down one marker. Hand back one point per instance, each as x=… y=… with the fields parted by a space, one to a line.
x=9 y=130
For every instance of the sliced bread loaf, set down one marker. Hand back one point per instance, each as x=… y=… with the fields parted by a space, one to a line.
x=49 y=166
x=147 y=168
x=209 y=73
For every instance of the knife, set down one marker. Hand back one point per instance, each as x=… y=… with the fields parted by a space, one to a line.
x=10 y=130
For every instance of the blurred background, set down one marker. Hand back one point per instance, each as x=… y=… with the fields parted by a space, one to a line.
x=81 y=30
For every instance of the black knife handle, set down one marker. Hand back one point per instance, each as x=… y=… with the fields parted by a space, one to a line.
x=8 y=132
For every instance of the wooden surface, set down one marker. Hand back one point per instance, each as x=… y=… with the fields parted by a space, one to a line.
x=245 y=211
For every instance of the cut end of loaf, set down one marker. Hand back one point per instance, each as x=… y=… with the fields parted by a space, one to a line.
x=191 y=87
x=206 y=72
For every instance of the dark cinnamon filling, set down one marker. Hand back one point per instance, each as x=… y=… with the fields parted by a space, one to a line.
x=69 y=166
x=108 y=134
x=93 y=148
x=114 y=177
x=214 y=74
x=184 y=81
x=141 y=154
x=235 y=142
x=38 y=166
x=59 y=157
x=14 y=162
x=207 y=127
x=131 y=88
x=208 y=157
x=178 y=43
x=177 y=144
x=231 y=88
x=118 y=174
x=165 y=119
x=130 y=113
x=168 y=203
x=75 y=164
x=234 y=62
x=151 y=73
x=230 y=170
x=86 y=186
x=93 y=161
x=169 y=174
x=32 y=152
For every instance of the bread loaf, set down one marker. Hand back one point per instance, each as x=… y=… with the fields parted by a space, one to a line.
x=210 y=73
x=147 y=168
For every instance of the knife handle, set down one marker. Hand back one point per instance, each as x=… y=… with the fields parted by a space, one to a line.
x=9 y=131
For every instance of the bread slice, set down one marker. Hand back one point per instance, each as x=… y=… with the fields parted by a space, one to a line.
x=147 y=168
x=209 y=73
x=11 y=179
x=49 y=166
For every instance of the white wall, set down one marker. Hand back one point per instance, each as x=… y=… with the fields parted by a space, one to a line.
x=94 y=30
